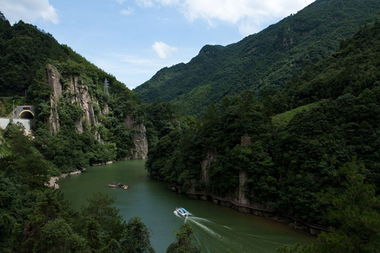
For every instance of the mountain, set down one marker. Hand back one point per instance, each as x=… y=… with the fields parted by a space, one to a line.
x=316 y=164
x=263 y=61
x=83 y=115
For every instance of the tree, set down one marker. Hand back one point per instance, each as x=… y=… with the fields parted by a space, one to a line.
x=57 y=236
x=136 y=237
x=354 y=212
x=184 y=242
x=100 y=210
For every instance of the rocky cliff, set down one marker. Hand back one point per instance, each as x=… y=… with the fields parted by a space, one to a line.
x=78 y=93
x=54 y=81
x=139 y=139
x=93 y=109
x=238 y=199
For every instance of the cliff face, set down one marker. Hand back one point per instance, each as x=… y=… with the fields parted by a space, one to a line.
x=80 y=95
x=239 y=199
x=54 y=81
x=139 y=139
x=205 y=166
x=93 y=109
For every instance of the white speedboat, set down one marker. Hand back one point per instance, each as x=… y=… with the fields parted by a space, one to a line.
x=182 y=212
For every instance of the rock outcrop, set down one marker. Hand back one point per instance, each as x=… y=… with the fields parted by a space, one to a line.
x=139 y=139
x=205 y=166
x=80 y=95
x=74 y=89
x=54 y=81
x=243 y=177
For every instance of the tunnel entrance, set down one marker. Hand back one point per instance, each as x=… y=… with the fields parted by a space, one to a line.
x=26 y=115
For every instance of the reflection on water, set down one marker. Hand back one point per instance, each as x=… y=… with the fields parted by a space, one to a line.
x=216 y=228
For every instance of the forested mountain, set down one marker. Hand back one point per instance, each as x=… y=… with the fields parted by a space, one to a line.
x=83 y=115
x=309 y=153
x=262 y=62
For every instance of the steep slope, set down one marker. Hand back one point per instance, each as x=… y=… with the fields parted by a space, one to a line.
x=313 y=164
x=260 y=61
x=82 y=114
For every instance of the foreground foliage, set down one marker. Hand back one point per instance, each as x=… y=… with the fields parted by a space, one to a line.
x=184 y=243
x=34 y=218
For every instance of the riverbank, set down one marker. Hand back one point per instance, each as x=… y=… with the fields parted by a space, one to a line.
x=218 y=229
x=102 y=164
x=53 y=181
x=254 y=209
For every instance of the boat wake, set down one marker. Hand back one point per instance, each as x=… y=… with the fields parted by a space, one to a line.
x=202 y=226
x=223 y=238
x=212 y=236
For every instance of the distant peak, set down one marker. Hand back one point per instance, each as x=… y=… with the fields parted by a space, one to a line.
x=2 y=17
x=210 y=49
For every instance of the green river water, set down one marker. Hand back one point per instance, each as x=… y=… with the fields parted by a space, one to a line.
x=217 y=229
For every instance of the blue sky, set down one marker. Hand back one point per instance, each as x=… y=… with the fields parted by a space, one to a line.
x=133 y=39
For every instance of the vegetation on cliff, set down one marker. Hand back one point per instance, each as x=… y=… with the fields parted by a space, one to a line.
x=79 y=121
x=317 y=163
x=262 y=62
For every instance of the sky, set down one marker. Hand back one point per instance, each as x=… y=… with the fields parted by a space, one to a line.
x=133 y=39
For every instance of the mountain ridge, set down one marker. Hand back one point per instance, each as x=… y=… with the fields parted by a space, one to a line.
x=261 y=61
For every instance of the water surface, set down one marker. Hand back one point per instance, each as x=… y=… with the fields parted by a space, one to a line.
x=216 y=228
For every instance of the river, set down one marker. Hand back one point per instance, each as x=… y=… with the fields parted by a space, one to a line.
x=216 y=228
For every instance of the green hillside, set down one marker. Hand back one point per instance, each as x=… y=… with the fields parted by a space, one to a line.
x=260 y=61
x=284 y=118
x=90 y=126
x=350 y=70
x=315 y=159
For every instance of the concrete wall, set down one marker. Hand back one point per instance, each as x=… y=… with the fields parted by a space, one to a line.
x=27 y=123
x=19 y=109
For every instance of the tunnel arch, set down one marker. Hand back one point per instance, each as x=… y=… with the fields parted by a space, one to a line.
x=26 y=114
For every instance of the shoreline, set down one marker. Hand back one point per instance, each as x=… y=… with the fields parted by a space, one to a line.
x=53 y=181
x=256 y=210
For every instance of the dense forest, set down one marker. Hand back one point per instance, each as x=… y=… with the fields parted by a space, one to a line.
x=34 y=218
x=262 y=62
x=309 y=152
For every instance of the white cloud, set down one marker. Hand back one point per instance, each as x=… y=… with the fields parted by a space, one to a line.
x=131 y=69
x=127 y=12
x=248 y=15
x=163 y=50
x=145 y=3
x=29 y=10
x=120 y=1
x=151 y=3
x=249 y=26
x=168 y=2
